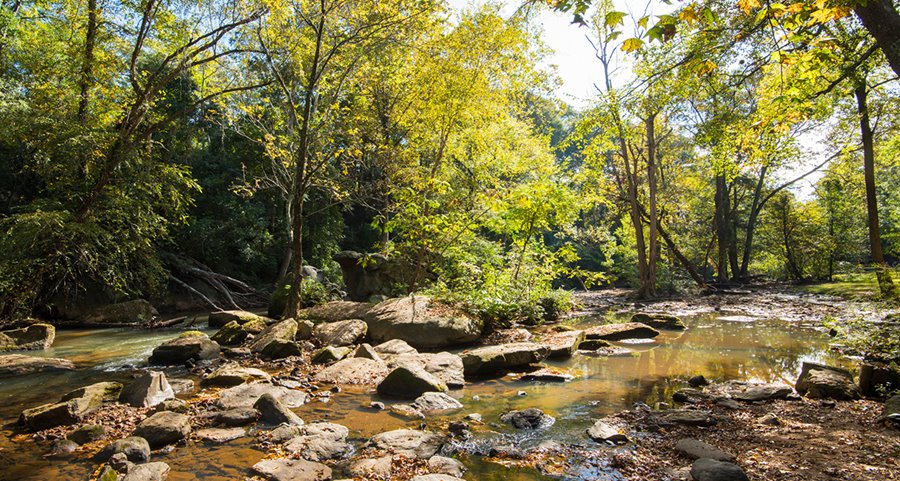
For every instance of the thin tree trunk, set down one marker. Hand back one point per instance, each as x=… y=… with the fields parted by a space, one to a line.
x=654 y=214
x=755 y=208
x=721 y=227
x=885 y=282
x=87 y=63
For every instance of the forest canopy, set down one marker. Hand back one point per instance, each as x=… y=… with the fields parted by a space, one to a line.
x=158 y=146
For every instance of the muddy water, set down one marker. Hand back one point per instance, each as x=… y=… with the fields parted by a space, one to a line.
x=726 y=348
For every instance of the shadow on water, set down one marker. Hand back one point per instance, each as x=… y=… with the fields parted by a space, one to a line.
x=720 y=348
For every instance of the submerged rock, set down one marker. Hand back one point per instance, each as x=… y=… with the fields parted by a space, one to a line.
x=422 y=322
x=531 y=418
x=87 y=434
x=188 y=347
x=20 y=364
x=147 y=390
x=35 y=337
x=409 y=382
x=489 y=359
x=619 y=332
x=156 y=471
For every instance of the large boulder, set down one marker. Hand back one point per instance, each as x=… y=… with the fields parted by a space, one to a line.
x=408 y=442
x=221 y=318
x=443 y=365
x=283 y=331
x=320 y=442
x=280 y=349
x=234 y=334
x=618 y=332
x=409 y=382
x=336 y=311
x=233 y=374
x=422 y=322
x=188 y=347
x=292 y=470
x=820 y=381
x=134 y=312
x=489 y=359
x=394 y=347
x=563 y=344
x=72 y=407
x=136 y=449
x=148 y=390
x=354 y=370
x=341 y=333
x=274 y=412
x=35 y=337
x=246 y=395
x=659 y=321
x=164 y=428
x=20 y=364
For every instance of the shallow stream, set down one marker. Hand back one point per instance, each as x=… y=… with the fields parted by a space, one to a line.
x=718 y=347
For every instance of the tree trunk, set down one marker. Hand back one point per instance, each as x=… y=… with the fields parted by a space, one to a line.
x=755 y=208
x=731 y=215
x=721 y=227
x=885 y=282
x=654 y=214
x=87 y=63
x=285 y=265
x=882 y=21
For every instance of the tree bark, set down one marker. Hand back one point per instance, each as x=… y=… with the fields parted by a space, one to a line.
x=885 y=282
x=653 y=221
x=721 y=227
x=882 y=21
x=87 y=63
x=755 y=208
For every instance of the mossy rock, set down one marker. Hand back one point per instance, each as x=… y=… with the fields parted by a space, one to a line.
x=187 y=334
x=231 y=334
x=659 y=321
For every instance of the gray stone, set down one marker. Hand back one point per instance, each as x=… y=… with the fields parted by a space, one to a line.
x=691 y=396
x=245 y=395
x=817 y=381
x=604 y=432
x=489 y=359
x=63 y=447
x=764 y=392
x=135 y=448
x=341 y=333
x=336 y=311
x=273 y=412
x=279 y=349
x=409 y=382
x=164 y=428
x=447 y=466
x=686 y=417
x=372 y=468
x=320 y=442
x=147 y=472
x=408 y=442
x=354 y=370
x=435 y=401
x=283 y=331
x=891 y=406
x=330 y=354
x=304 y=330
x=422 y=322
x=366 y=351
x=546 y=375
x=443 y=365
x=696 y=449
x=182 y=386
x=237 y=417
x=705 y=469
x=35 y=337
x=72 y=407
x=284 y=433
x=233 y=374
x=133 y=312
x=20 y=364
x=190 y=346
x=531 y=418
x=618 y=332
x=147 y=390
x=292 y=470
x=435 y=477
x=395 y=347
x=174 y=405
x=220 y=435
x=406 y=411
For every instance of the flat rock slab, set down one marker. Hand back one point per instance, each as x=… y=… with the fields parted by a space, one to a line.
x=355 y=370
x=408 y=442
x=234 y=375
x=19 y=364
x=705 y=469
x=320 y=442
x=435 y=401
x=292 y=470
x=546 y=375
x=618 y=332
x=220 y=435
x=489 y=359
x=686 y=417
x=246 y=395
x=220 y=318
x=563 y=344
x=35 y=337
x=762 y=392
x=409 y=382
x=394 y=347
x=336 y=311
x=696 y=449
x=341 y=333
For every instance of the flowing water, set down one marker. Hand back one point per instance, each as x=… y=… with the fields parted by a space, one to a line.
x=718 y=347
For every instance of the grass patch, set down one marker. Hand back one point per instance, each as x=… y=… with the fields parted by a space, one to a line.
x=860 y=285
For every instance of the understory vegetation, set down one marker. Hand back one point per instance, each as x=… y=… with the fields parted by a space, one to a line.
x=148 y=146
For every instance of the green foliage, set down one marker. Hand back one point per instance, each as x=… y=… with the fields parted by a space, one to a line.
x=874 y=340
